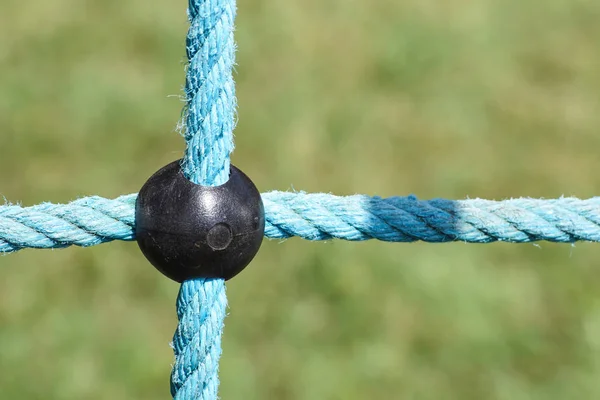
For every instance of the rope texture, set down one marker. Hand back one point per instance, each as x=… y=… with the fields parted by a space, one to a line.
x=208 y=122
x=85 y=222
x=94 y=220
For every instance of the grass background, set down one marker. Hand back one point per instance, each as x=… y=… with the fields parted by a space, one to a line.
x=487 y=98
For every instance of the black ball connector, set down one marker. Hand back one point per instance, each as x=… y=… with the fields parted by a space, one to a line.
x=193 y=231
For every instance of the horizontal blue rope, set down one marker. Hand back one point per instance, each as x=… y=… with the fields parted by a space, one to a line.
x=93 y=220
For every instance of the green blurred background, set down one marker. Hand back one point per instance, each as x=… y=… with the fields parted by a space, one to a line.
x=453 y=98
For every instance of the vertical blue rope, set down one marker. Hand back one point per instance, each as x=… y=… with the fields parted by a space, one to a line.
x=209 y=119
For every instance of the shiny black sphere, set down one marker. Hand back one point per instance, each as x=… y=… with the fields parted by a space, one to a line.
x=192 y=231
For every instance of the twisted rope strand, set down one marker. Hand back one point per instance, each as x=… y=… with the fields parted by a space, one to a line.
x=407 y=219
x=94 y=220
x=209 y=116
x=208 y=122
x=201 y=307
x=84 y=222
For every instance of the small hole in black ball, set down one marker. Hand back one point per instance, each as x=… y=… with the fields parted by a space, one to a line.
x=219 y=236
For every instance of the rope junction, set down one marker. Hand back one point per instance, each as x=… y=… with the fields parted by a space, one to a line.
x=208 y=123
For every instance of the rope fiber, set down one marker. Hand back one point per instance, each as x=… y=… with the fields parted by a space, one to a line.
x=93 y=220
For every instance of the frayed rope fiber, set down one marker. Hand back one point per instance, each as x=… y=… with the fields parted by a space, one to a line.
x=94 y=220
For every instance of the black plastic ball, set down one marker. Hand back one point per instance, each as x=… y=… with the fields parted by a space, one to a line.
x=192 y=231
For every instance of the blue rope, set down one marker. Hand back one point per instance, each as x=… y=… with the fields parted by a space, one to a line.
x=209 y=119
x=94 y=220
x=209 y=116
x=407 y=219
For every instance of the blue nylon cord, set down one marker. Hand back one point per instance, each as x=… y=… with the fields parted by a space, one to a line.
x=93 y=220
x=209 y=119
